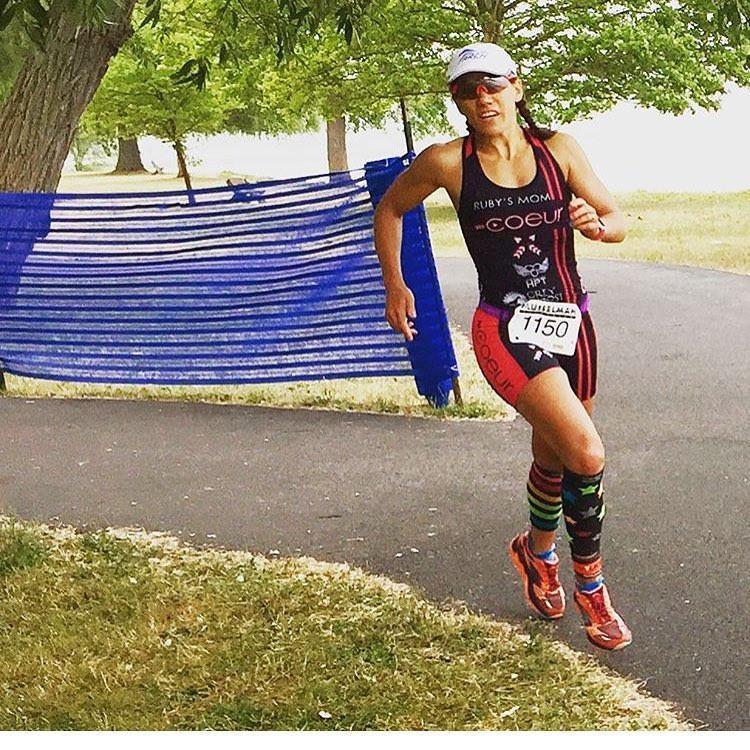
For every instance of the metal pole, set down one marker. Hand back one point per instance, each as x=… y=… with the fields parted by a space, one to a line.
x=407 y=126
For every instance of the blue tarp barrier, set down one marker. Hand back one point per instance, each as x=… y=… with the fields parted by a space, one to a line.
x=431 y=351
x=265 y=282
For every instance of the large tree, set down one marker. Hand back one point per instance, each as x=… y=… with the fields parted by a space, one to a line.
x=357 y=83
x=129 y=159
x=55 y=83
x=13 y=43
x=74 y=42
x=576 y=56
x=139 y=96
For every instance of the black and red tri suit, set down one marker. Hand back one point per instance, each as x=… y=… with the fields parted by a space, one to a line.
x=521 y=242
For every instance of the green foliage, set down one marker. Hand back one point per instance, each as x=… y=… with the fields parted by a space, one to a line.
x=661 y=56
x=13 y=47
x=144 y=92
x=393 y=54
x=576 y=58
x=281 y=66
x=35 y=17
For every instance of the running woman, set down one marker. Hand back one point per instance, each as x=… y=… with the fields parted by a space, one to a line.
x=513 y=189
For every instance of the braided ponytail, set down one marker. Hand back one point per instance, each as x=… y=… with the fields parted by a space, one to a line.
x=538 y=132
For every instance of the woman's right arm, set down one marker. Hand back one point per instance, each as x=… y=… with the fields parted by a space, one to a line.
x=408 y=190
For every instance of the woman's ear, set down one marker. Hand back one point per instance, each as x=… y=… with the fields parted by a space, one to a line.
x=518 y=86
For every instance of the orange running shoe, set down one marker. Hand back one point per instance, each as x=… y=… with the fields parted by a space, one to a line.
x=541 y=587
x=604 y=627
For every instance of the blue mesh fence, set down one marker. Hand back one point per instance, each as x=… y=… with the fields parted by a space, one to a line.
x=265 y=282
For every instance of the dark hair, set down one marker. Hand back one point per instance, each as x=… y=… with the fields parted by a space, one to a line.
x=543 y=134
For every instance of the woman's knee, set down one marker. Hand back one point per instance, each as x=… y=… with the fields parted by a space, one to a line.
x=587 y=457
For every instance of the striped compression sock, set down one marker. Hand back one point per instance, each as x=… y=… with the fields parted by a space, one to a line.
x=543 y=492
x=584 y=509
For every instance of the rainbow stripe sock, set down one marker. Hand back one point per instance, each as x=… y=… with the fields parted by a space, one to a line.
x=543 y=492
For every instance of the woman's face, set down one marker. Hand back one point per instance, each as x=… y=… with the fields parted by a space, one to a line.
x=487 y=111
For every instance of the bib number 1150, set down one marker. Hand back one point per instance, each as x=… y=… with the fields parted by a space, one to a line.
x=552 y=326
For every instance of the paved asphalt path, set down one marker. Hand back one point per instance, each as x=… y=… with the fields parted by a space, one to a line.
x=435 y=503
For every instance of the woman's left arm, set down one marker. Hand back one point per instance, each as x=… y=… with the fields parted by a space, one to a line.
x=593 y=211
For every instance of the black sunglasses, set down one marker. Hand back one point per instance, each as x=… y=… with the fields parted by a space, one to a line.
x=468 y=88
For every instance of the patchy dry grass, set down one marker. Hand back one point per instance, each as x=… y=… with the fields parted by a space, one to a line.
x=122 y=630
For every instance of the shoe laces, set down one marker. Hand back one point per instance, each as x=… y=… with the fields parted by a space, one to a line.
x=548 y=571
x=599 y=605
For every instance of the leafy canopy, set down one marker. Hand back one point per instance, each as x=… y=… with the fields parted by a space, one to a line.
x=576 y=57
x=139 y=96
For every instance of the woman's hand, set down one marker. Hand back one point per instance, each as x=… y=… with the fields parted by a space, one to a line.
x=584 y=218
x=400 y=309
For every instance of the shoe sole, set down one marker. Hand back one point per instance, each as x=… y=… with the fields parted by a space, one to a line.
x=518 y=565
x=618 y=647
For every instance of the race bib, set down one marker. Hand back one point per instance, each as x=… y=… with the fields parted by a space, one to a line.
x=552 y=326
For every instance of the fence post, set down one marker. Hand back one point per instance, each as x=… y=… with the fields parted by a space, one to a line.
x=431 y=352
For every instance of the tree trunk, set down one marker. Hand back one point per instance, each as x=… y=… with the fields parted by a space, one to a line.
x=128 y=157
x=49 y=95
x=182 y=164
x=337 y=158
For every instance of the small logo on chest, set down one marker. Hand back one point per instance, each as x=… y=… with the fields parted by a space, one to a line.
x=522 y=245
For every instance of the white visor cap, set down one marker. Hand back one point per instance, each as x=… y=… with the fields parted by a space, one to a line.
x=481 y=57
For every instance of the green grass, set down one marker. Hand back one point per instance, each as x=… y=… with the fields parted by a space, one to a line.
x=123 y=630
x=707 y=230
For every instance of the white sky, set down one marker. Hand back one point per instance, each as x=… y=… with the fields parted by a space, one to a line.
x=630 y=148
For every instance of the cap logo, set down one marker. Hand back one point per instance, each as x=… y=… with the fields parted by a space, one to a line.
x=471 y=54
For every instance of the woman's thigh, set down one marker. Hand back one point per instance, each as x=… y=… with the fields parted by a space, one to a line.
x=561 y=423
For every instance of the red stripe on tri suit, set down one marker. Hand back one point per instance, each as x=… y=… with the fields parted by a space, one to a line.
x=469 y=146
x=553 y=189
x=564 y=270
x=567 y=241
x=583 y=357
x=561 y=238
x=595 y=363
x=558 y=236
x=569 y=294
x=592 y=358
x=579 y=368
x=589 y=360
x=586 y=360
x=568 y=287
